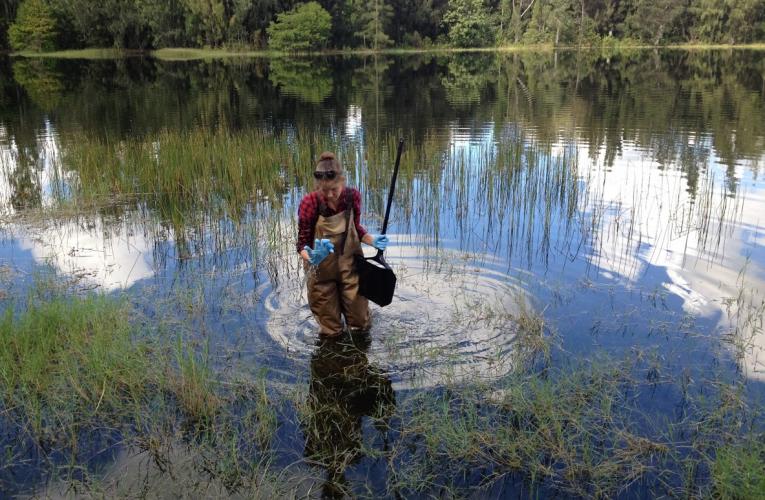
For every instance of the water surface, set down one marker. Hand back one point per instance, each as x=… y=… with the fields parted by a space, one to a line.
x=618 y=195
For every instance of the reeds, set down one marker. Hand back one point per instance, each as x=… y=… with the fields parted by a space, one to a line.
x=202 y=179
x=194 y=383
x=533 y=199
x=71 y=359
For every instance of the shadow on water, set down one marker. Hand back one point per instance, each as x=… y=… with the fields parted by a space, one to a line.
x=344 y=388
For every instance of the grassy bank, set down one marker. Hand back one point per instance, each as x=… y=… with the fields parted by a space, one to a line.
x=190 y=53
x=91 y=53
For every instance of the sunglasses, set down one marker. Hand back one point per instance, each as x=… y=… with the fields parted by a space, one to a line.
x=325 y=175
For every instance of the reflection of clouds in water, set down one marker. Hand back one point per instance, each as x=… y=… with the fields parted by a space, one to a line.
x=8 y=154
x=470 y=142
x=650 y=218
x=111 y=257
x=354 y=124
x=182 y=472
x=452 y=318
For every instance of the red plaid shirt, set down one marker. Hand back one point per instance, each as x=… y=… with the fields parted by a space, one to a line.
x=308 y=214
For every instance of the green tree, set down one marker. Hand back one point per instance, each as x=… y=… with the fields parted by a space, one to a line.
x=126 y=26
x=165 y=21
x=746 y=21
x=111 y=23
x=728 y=21
x=372 y=18
x=710 y=20
x=342 y=25
x=609 y=15
x=85 y=23
x=206 y=22
x=468 y=23
x=417 y=19
x=7 y=15
x=35 y=27
x=551 y=22
x=652 y=20
x=513 y=16
x=306 y=27
x=249 y=19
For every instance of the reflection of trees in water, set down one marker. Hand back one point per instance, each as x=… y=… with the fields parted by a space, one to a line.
x=41 y=80
x=344 y=389
x=656 y=100
x=605 y=98
x=24 y=182
x=309 y=80
x=467 y=77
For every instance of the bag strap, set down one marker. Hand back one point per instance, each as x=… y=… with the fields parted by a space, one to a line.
x=348 y=207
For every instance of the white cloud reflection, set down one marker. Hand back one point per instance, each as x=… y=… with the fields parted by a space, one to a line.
x=109 y=255
x=649 y=217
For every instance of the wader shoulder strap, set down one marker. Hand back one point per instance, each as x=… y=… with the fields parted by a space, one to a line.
x=348 y=208
x=321 y=209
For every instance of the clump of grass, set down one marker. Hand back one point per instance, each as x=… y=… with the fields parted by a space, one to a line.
x=532 y=336
x=263 y=416
x=194 y=383
x=738 y=470
x=70 y=358
x=564 y=431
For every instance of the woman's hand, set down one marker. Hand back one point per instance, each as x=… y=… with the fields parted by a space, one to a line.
x=380 y=242
x=321 y=249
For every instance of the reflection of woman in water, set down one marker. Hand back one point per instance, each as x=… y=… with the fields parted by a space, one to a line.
x=329 y=234
x=344 y=388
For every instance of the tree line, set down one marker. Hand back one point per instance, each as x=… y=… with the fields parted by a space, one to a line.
x=373 y=24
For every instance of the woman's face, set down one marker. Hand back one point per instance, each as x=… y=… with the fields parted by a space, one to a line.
x=331 y=192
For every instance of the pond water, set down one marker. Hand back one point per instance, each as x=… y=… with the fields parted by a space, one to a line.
x=617 y=196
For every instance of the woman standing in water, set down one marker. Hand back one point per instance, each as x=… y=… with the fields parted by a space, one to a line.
x=329 y=217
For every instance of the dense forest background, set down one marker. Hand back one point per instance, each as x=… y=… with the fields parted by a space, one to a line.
x=375 y=24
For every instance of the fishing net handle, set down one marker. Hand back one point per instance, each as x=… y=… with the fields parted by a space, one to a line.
x=399 y=150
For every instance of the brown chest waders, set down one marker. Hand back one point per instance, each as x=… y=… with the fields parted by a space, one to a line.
x=333 y=285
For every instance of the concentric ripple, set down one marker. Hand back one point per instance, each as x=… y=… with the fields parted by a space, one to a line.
x=454 y=317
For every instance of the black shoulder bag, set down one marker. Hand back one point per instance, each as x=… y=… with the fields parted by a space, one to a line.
x=377 y=282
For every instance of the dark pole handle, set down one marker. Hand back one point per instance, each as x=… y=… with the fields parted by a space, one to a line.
x=392 y=189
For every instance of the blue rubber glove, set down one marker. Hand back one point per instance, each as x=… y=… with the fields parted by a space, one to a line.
x=380 y=242
x=321 y=249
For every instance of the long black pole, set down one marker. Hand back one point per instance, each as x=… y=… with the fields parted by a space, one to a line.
x=392 y=188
